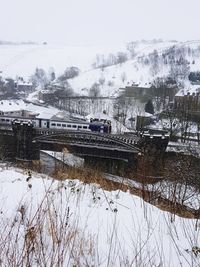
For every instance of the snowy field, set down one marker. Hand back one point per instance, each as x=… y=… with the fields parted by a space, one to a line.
x=69 y=223
x=22 y=60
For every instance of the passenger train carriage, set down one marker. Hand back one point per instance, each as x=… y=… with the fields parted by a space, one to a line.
x=95 y=125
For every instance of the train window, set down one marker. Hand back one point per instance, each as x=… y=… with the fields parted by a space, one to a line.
x=85 y=127
x=53 y=124
x=63 y=125
x=7 y=120
x=3 y=119
x=69 y=125
x=74 y=126
x=58 y=124
x=79 y=126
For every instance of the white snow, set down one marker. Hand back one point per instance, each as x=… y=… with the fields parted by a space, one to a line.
x=66 y=157
x=22 y=60
x=16 y=105
x=123 y=229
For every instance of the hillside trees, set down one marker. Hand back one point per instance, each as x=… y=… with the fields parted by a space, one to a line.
x=102 y=81
x=69 y=73
x=123 y=77
x=52 y=75
x=131 y=49
x=172 y=123
x=154 y=61
x=174 y=57
x=121 y=57
x=121 y=107
x=95 y=90
x=39 y=78
x=8 y=87
x=180 y=69
x=103 y=61
x=165 y=88
x=194 y=76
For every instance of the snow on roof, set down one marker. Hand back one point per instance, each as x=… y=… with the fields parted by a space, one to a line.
x=19 y=82
x=146 y=114
x=188 y=89
x=16 y=105
x=12 y=105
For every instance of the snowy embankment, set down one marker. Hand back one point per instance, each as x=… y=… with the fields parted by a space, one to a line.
x=74 y=224
x=174 y=191
x=22 y=60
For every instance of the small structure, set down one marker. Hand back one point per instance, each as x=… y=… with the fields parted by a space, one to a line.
x=143 y=121
x=23 y=86
x=139 y=92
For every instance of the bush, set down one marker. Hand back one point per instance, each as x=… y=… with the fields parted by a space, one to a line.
x=194 y=76
x=69 y=73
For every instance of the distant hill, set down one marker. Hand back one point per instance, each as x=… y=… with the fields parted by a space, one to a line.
x=112 y=66
x=17 y=43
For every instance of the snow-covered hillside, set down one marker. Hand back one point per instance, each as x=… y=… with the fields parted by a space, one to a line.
x=137 y=70
x=22 y=60
x=74 y=224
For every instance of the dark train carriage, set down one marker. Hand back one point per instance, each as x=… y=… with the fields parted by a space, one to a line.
x=100 y=127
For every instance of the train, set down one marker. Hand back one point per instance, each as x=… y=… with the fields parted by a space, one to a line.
x=94 y=125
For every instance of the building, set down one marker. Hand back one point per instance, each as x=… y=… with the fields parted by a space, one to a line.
x=24 y=87
x=188 y=100
x=139 y=92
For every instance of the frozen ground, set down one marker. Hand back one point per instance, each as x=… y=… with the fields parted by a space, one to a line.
x=107 y=228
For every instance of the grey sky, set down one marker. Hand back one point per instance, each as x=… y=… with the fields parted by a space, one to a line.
x=80 y=22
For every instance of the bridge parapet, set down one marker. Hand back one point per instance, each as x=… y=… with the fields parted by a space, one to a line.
x=90 y=138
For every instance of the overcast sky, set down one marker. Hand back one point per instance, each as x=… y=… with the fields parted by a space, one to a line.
x=80 y=22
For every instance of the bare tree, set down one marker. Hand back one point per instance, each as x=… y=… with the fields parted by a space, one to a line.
x=39 y=78
x=131 y=48
x=121 y=57
x=123 y=77
x=102 y=80
x=95 y=90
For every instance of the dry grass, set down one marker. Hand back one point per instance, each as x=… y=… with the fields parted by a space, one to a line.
x=89 y=176
x=49 y=237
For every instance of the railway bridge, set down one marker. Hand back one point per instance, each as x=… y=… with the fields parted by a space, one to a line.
x=107 y=149
x=80 y=142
